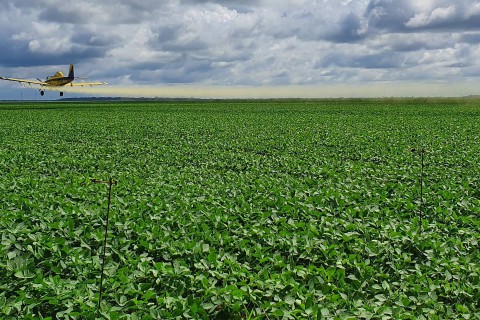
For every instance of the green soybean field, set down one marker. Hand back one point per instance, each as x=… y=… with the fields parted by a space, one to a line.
x=242 y=209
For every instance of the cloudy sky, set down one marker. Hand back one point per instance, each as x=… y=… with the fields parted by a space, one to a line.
x=331 y=47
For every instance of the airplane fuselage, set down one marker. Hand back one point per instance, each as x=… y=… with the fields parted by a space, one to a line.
x=58 y=82
x=58 y=79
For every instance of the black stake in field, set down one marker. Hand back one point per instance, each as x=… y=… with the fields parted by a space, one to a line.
x=422 y=166
x=110 y=183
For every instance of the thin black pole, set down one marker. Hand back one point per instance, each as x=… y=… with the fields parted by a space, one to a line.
x=422 y=153
x=422 y=167
x=110 y=183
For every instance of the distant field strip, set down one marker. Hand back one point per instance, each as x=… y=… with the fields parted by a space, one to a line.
x=326 y=90
x=241 y=209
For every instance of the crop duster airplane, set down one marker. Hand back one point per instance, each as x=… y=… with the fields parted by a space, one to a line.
x=56 y=81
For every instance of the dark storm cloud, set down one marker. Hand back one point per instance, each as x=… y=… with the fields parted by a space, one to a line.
x=19 y=53
x=383 y=60
x=472 y=38
x=406 y=42
x=182 y=69
x=388 y=15
x=447 y=16
x=64 y=15
x=241 y=6
x=89 y=11
x=349 y=30
x=411 y=16
x=223 y=2
x=309 y=24
x=176 y=46
x=449 y=24
x=415 y=45
x=93 y=39
x=26 y=41
x=16 y=55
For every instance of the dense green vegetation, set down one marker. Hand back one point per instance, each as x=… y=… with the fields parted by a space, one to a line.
x=241 y=209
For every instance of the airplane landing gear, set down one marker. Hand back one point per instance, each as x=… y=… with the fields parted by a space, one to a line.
x=42 y=93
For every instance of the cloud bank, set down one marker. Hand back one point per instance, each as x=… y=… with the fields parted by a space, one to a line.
x=244 y=43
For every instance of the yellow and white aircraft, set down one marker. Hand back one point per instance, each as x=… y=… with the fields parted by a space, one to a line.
x=56 y=81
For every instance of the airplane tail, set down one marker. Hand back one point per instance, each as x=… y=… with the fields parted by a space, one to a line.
x=70 y=72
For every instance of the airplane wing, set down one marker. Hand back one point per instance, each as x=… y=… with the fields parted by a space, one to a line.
x=85 y=84
x=41 y=83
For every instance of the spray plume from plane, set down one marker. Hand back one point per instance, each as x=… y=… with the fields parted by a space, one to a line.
x=57 y=81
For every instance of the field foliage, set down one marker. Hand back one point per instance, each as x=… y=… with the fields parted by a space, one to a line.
x=241 y=209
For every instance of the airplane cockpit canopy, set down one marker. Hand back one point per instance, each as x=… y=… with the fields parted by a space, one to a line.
x=58 y=74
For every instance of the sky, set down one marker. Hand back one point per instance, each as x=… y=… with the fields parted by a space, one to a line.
x=245 y=48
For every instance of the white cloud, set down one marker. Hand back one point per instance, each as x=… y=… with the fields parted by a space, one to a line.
x=245 y=42
x=438 y=15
